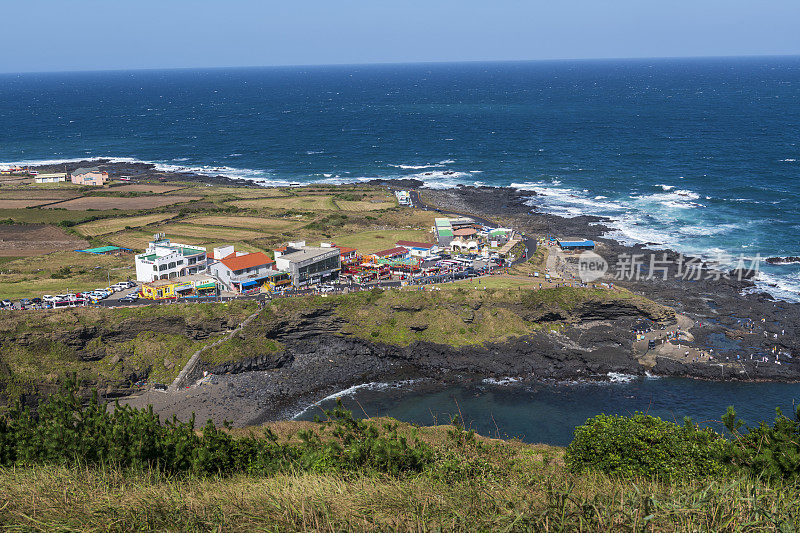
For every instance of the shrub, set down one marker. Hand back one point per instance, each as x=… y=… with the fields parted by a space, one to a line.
x=644 y=445
x=767 y=451
x=65 y=432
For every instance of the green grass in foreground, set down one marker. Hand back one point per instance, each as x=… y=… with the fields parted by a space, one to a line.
x=79 y=467
x=536 y=494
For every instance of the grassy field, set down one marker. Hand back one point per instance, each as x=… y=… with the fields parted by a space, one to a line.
x=137 y=240
x=27 y=194
x=145 y=187
x=240 y=192
x=112 y=225
x=297 y=203
x=55 y=216
x=374 y=241
x=363 y=205
x=100 y=203
x=261 y=223
x=494 y=282
x=475 y=484
x=21 y=204
x=56 y=272
x=206 y=233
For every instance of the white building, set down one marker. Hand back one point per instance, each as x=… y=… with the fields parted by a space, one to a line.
x=240 y=271
x=51 y=178
x=424 y=250
x=166 y=260
x=403 y=197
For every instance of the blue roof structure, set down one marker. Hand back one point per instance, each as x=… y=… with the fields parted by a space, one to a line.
x=104 y=250
x=576 y=244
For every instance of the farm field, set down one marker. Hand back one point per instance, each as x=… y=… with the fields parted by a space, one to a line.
x=145 y=187
x=364 y=205
x=35 y=239
x=21 y=204
x=240 y=192
x=269 y=224
x=375 y=241
x=210 y=232
x=137 y=240
x=298 y=203
x=36 y=194
x=54 y=216
x=112 y=225
x=111 y=202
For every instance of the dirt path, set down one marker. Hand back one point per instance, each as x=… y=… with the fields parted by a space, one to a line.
x=180 y=380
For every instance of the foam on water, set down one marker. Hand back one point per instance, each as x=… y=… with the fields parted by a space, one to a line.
x=351 y=391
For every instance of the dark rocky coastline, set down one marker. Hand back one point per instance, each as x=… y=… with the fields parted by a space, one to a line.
x=143 y=171
x=318 y=361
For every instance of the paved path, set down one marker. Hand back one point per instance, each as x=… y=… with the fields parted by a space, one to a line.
x=192 y=362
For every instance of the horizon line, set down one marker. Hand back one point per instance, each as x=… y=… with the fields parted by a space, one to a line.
x=402 y=63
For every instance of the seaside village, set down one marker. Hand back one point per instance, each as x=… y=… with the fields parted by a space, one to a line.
x=169 y=270
x=462 y=248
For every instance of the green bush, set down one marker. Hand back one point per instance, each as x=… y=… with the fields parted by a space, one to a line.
x=765 y=451
x=644 y=445
x=63 y=431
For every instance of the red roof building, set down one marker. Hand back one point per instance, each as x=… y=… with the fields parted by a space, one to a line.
x=246 y=261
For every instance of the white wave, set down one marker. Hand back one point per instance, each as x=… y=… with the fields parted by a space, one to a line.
x=664 y=187
x=788 y=160
x=413 y=167
x=501 y=381
x=616 y=377
x=351 y=391
x=440 y=179
x=567 y=202
x=783 y=287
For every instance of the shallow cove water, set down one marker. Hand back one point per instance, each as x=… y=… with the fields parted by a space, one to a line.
x=548 y=413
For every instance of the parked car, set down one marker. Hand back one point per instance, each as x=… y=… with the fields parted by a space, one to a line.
x=7 y=303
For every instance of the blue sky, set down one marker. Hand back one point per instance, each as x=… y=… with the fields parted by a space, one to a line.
x=55 y=35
